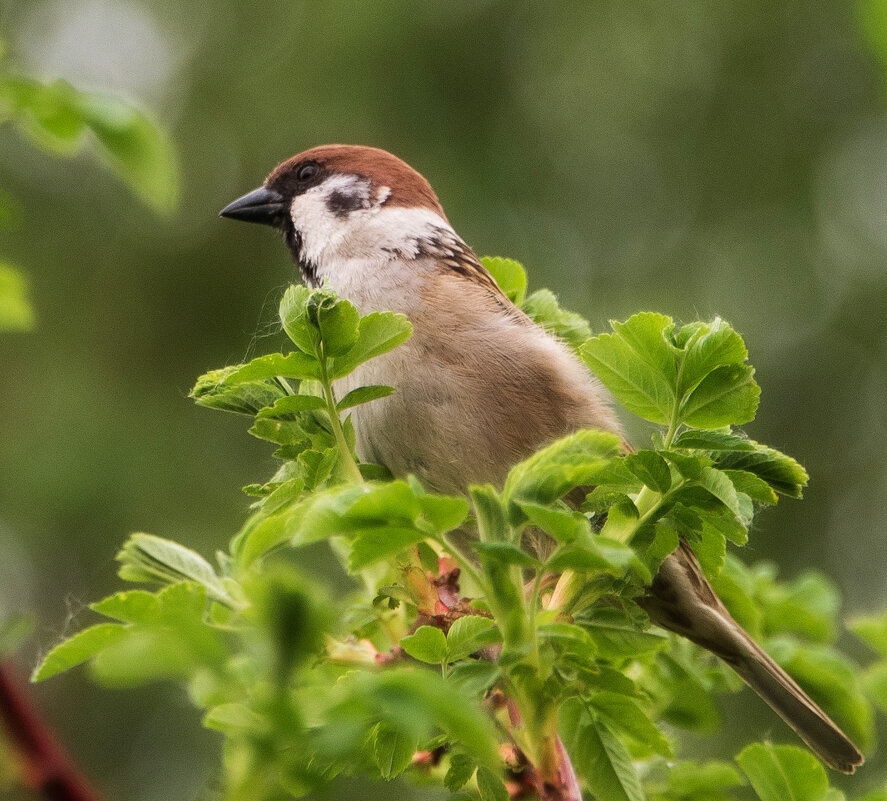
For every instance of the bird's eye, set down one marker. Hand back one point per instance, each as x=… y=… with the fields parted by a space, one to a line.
x=307 y=171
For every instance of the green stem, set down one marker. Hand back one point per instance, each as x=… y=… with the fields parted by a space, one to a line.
x=348 y=468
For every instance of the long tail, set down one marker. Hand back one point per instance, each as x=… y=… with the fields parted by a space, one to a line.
x=682 y=601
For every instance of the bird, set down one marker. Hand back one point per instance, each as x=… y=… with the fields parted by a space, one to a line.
x=479 y=386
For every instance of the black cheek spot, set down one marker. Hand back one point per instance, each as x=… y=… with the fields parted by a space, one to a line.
x=342 y=203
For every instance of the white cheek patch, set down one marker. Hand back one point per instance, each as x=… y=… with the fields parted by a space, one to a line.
x=343 y=219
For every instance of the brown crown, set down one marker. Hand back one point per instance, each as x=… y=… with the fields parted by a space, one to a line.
x=408 y=187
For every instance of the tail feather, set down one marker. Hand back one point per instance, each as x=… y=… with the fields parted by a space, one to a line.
x=682 y=601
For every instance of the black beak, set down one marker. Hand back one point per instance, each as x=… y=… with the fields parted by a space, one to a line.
x=263 y=206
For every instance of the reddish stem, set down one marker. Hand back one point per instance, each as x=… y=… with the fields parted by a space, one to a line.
x=48 y=768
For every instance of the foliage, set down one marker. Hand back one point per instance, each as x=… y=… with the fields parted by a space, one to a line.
x=474 y=663
x=62 y=120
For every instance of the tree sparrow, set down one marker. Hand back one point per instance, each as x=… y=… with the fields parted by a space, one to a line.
x=479 y=385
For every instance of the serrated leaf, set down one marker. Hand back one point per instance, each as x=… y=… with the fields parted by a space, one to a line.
x=783 y=772
x=248 y=398
x=755 y=487
x=781 y=472
x=473 y=677
x=293 y=365
x=509 y=275
x=543 y=309
x=363 y=395
x=651 y=469
x=427 y=644
x=713 y=346
x=77 y=649
x=337 y=320
x=637 y=365
x=504 y=553
x=293 y=404
x=145 y=557
x=375 y=543
x=392 y=750
x=490 y=787
x=566 y=463
x=443 y=512
x=293 y=316
x=469 y=634
x=719 y=485
x=622 y=713
x=132 y=606
x=726 y=396
x=699 y=439
x=562 y=524
x=460 y=770
x=616 y=636
x=378 y=333
x=598 y=755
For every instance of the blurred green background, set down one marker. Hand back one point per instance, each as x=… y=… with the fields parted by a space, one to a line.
x=694 y=158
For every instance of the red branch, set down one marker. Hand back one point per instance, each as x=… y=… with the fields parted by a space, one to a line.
x=48 y=768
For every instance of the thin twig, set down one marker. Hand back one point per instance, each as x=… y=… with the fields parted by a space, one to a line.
x=48 y=768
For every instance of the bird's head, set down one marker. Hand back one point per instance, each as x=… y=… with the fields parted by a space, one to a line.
x=342 y=202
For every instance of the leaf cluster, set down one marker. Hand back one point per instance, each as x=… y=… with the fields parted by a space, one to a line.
x=469 y=654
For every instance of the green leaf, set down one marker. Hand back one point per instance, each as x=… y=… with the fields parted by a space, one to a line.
x=378 y=333
x=719 y=485
x=392 y=750
x=651 y=469
x=490 y=786
x=375 y=543
x=726 y=396
x=135 y=147
x=712 y=441
x=568 y=640
x=714 y=345
x=132 y=606
x=336 y=319
x=461 y=769
x=145 y=557
x=293 y=365
x=562 y=524
x=293 y=405
x=702 y=781
x=616 y=636
x=598 y=755
x=249 y=398
x=395 y=500
x=637 y=364
x=566 y=463
x=755 y=487
x=16 y=311
x=509 y=275
x=293 y=314
x=783 y=772
x=872 y=630
x=504 y=553
x=77 y=649
x=543 y=309
x=623 y=714
x=781 y=472
x=474 y=678
x=427 y=644
x=363 y=395
x=469 y=634
x=443 y=512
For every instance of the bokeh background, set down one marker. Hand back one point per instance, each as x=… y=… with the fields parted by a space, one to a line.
x=688 y=157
